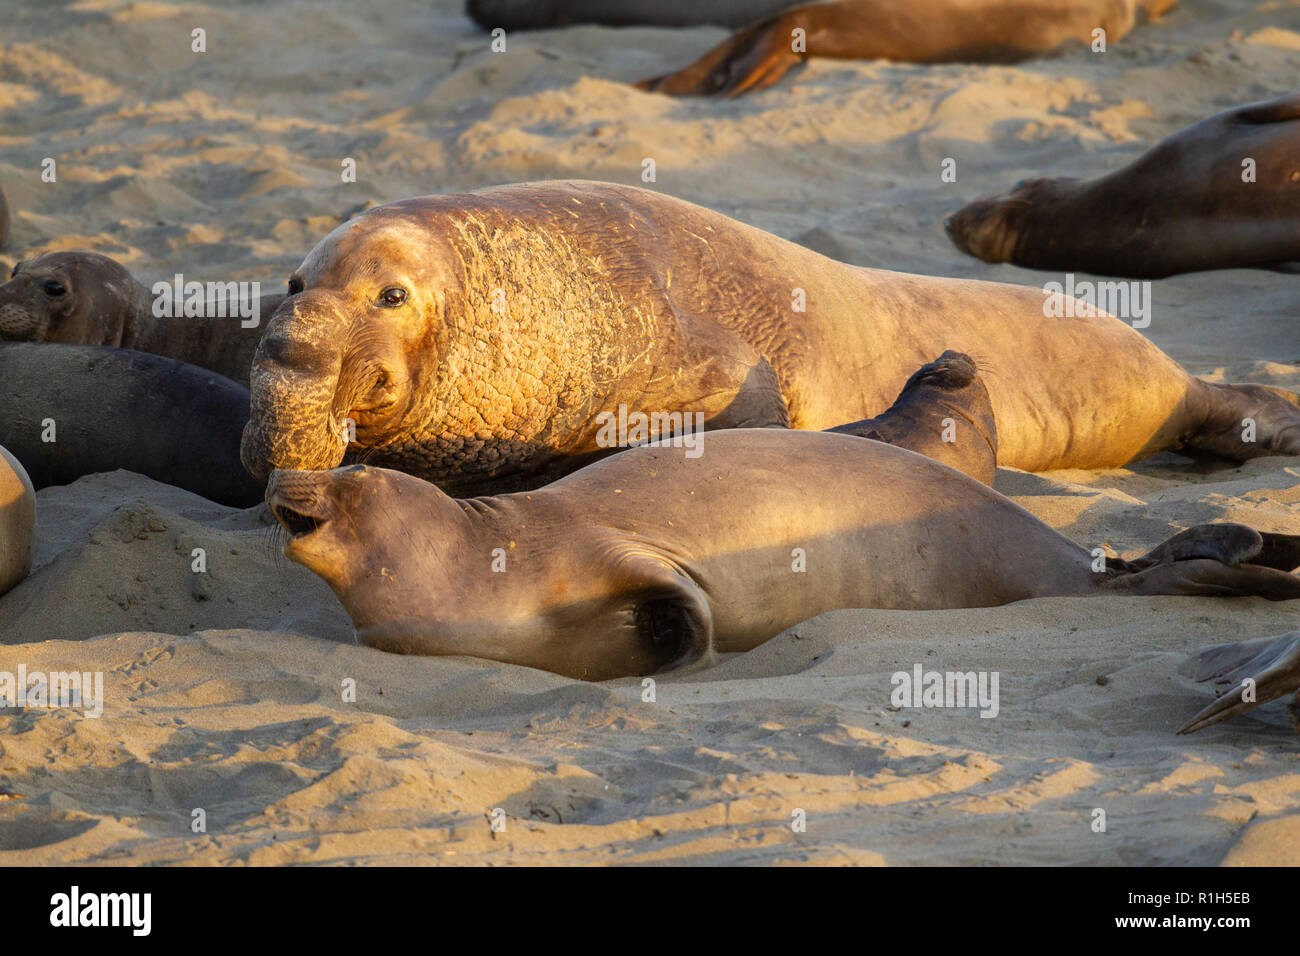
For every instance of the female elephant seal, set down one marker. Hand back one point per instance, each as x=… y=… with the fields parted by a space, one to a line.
x=651 y=559
x=84 y=298
x=1222 y=194
x=17 y=521
x=73 y=410
x=920 y=31
x=476 y=340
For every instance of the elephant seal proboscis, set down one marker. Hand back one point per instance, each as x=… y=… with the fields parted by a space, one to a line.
x=476 y=339
x=1222 y=194
x=17 y=521
x=84 y=298
x=651 y=559
x=919 y=31
x=74 y=410
x=1248 y=674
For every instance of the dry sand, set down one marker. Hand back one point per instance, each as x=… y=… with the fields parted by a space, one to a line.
x=223 y=690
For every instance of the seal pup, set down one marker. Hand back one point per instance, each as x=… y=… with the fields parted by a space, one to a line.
x=545 y=14
x=650 y=559
x=1272 y=666
x=944 y=413
x=1187 y=205
x=17 y=521
x=424 y=335
x=919 y=31
x=73 y=410
x=84 y=298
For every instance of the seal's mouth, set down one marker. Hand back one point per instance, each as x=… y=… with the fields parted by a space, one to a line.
x=294 y=502
x=296 y=522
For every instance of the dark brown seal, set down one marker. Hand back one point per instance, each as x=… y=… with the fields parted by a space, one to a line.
x=1222 y=194
x=920 y=31
x=84 y=298
x=108 y=408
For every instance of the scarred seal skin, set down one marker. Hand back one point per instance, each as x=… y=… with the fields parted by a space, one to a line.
x=920 y=31
x=1187 y=205
x=476 y=340
x=651 y=559
x=109 y=408
x=84 y=298
x=17 y=521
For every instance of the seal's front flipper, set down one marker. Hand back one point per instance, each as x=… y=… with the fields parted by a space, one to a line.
x=1272 y=668
x=673 y=622
x=1208 y=578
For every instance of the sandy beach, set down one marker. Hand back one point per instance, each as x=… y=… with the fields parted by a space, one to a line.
x=227 y=691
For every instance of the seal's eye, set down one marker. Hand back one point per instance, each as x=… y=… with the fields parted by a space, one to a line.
x=14 y=274
x=54 y=288
x=392 y=297
x=295 y=285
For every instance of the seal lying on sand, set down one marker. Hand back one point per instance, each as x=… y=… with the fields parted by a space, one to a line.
x=651 y=559
x=1184 y=206
x=1271 y=666
x=84 y=298
x=921 y=31
x=476 y=339
x=17 y=521
x=109 y=408
x=543 y=14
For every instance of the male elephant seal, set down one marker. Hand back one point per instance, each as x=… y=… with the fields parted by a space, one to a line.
x=544 y=14
x=1222 y=194
x=1246 y=675
x=17 y=521
x=73 y=410
x=84 y=298
x=476 y=339
x=650 y=558
x=920 y=31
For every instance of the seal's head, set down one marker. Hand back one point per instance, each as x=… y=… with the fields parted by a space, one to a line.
x=71 y=298
x=422 y=573
x=989 y=228
x=352 y=352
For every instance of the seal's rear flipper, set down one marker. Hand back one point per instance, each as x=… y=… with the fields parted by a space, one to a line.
x=1210 y=578
x=1230 y=543
x=1271 y=667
